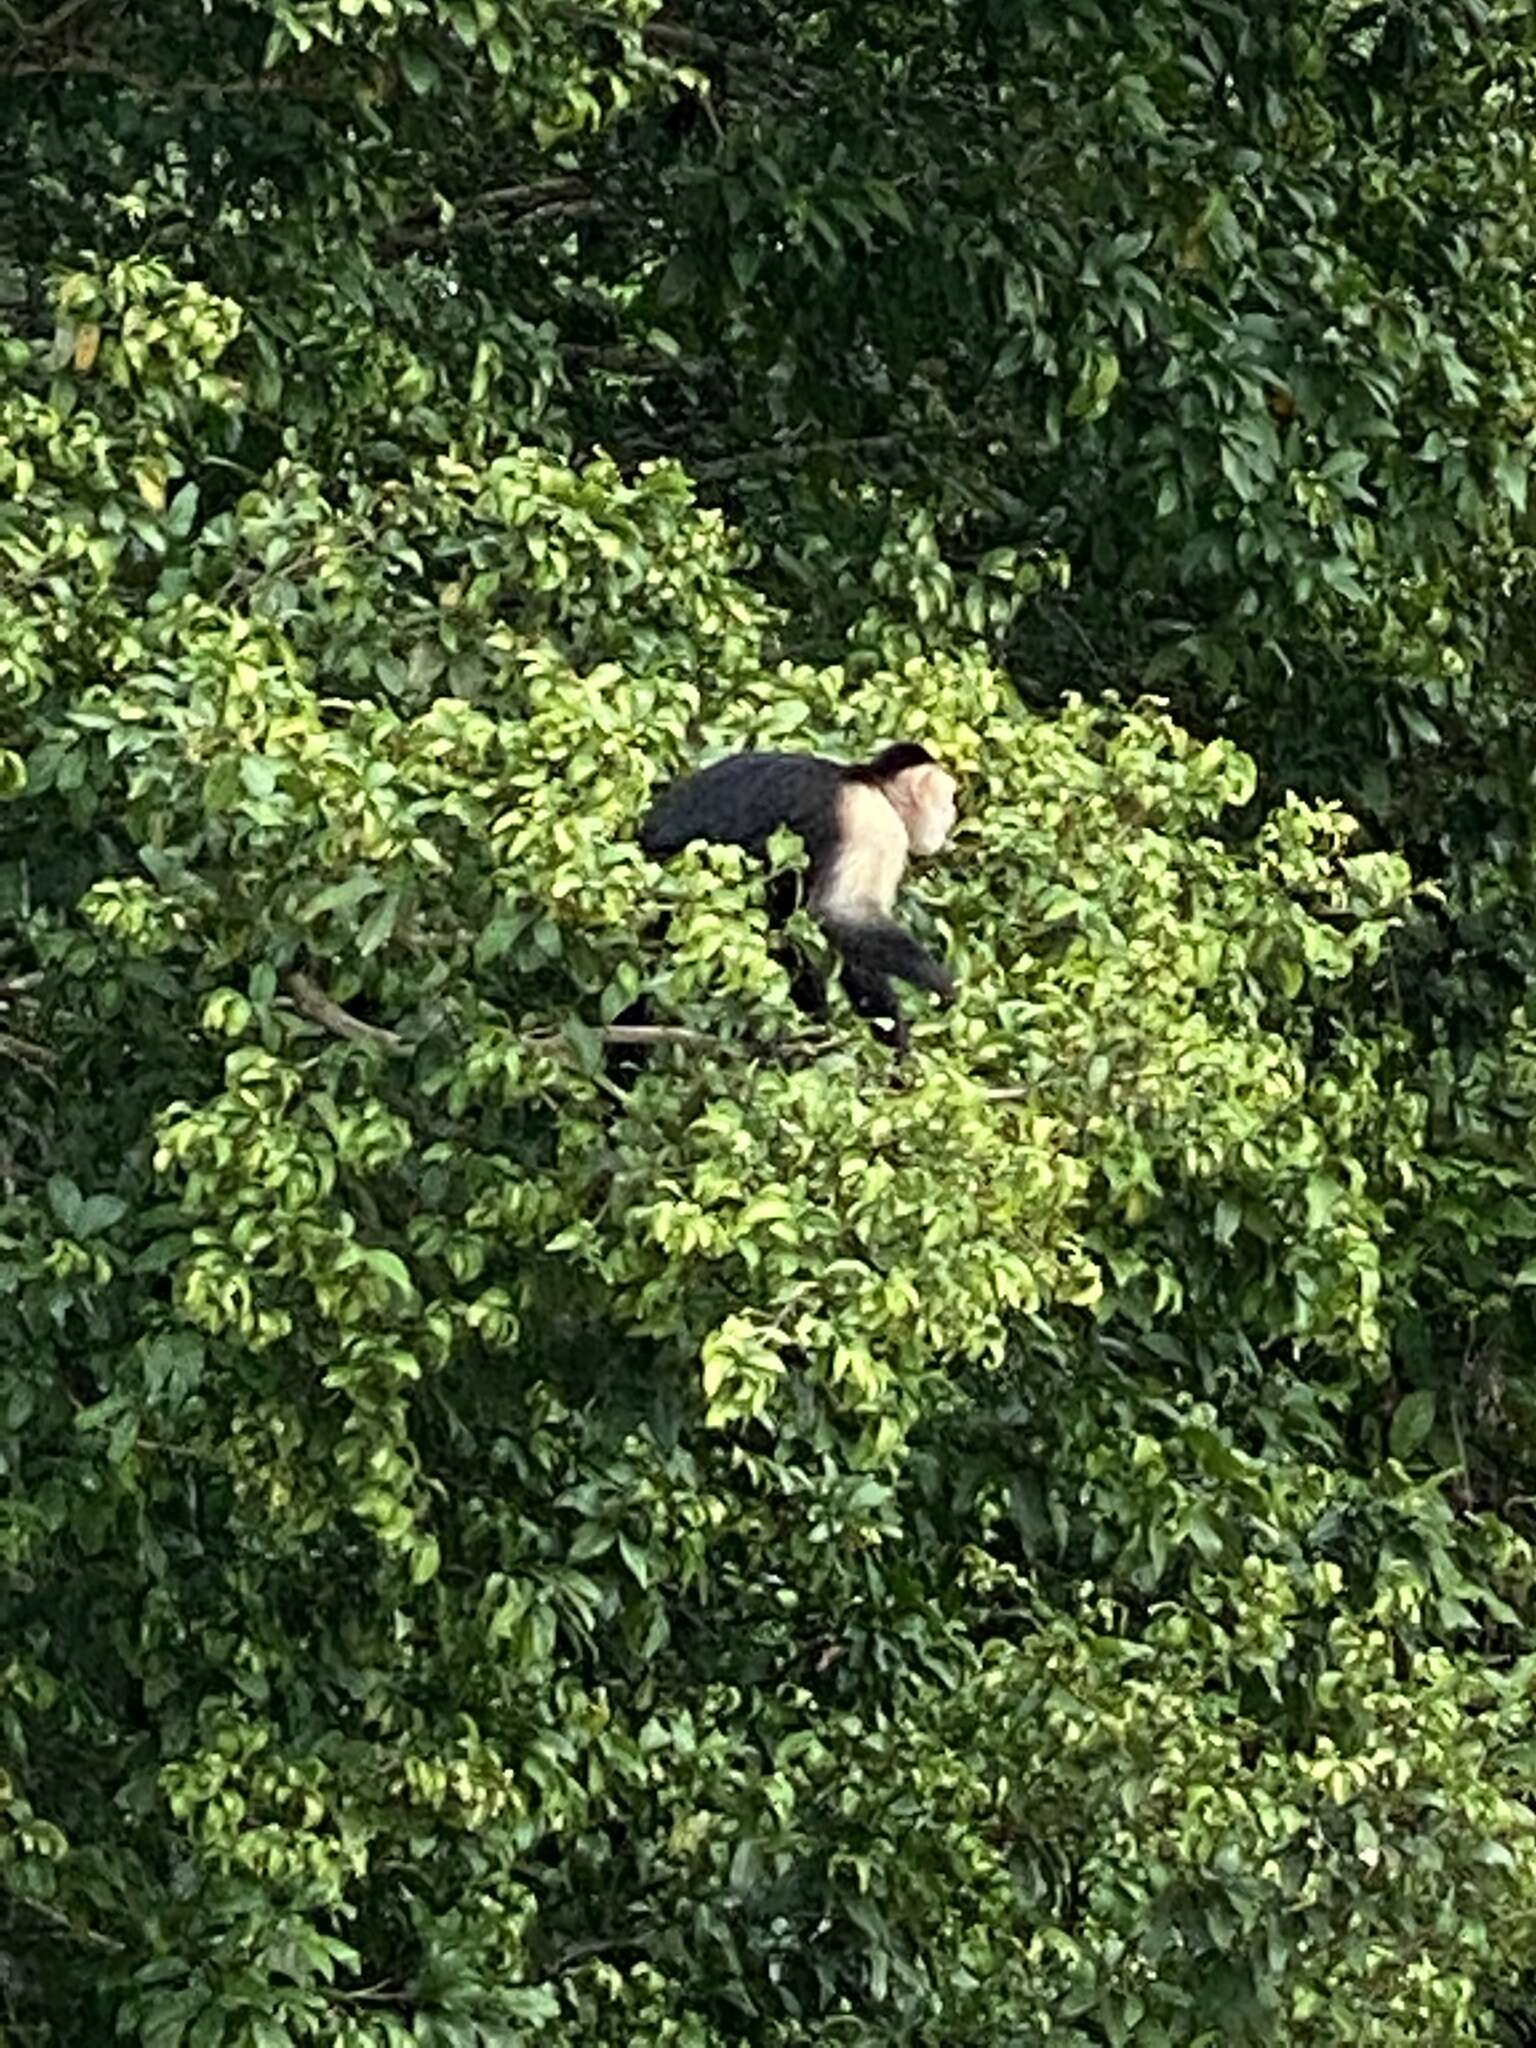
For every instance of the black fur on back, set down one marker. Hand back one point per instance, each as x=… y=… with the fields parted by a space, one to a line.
x=744 y=799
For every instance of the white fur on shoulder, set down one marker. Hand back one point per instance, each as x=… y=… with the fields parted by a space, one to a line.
x=871 y=858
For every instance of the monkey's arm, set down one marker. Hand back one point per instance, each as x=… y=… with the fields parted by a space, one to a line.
x=883 y=947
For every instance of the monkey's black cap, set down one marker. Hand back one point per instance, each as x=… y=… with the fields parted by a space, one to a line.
x=895 y=760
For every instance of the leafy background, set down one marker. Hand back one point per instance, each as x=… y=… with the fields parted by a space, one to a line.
x=518 y=1530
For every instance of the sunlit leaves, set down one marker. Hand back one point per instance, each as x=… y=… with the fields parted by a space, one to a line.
x=545 y=1491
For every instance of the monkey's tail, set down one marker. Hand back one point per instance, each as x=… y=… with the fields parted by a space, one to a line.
x=883 y=947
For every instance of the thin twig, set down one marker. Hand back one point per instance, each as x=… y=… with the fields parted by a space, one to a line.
x=320 y=1009
x=61 y=1919
x=630 y=362
x=144 y=81
x=601 y=1944
x=372 y=1994
x=155 y=1443
x=787 y=454
x=629 y=1034
x=39 y=31
x=475 y=223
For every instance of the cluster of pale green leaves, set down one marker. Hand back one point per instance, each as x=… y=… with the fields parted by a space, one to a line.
x=1132 y=1025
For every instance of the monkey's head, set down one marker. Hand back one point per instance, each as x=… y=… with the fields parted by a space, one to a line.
x=922 y=793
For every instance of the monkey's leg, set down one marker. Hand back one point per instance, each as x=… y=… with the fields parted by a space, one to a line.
x=807 y=986
x=873 y=997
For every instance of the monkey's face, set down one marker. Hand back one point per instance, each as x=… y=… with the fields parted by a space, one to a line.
x=925 y=797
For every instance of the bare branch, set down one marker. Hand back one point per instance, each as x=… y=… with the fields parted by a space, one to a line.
x=61 y=1919
x=789 y=455
x=628 y=1034
x=477 y=222
x=630 y=361
x=319 y=1008
x=601 y=1944
x=516 y=196
x=40 y=31
x=26 y=1053
x=758 y=56
x=143 y=81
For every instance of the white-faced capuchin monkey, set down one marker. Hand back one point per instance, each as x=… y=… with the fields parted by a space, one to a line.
x=860 y=823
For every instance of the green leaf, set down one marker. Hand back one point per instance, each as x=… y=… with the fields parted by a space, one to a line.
x=1511 y=471
x=380 y=925
x=636 y=1559
x=340 y=896
x=65 y=1200
x=182 y=512
x=586 y=1042
x=419 y=69
x=99 y=1213
x=1096 y=382
x=173 y=1365
x=1412 y=1420
x=393 y=1268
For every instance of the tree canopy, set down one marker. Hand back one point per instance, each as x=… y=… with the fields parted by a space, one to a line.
x=519 y=1526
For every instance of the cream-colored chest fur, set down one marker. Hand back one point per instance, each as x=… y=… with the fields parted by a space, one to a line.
x=867 y=873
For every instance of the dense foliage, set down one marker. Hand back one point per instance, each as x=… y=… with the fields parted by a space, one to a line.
x=522 y=1528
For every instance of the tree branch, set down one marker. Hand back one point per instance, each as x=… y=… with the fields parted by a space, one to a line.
x=39 y=31
x=471 y=223
x=319 y=1008
x=309 y=997
x=788 y=455
x=61 y=1919
x=142 y=81
x=26 y=1053
x=783 y=64
x=598 y=1945
x=519 y=196
x=630 y=361
x=629 y=1034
